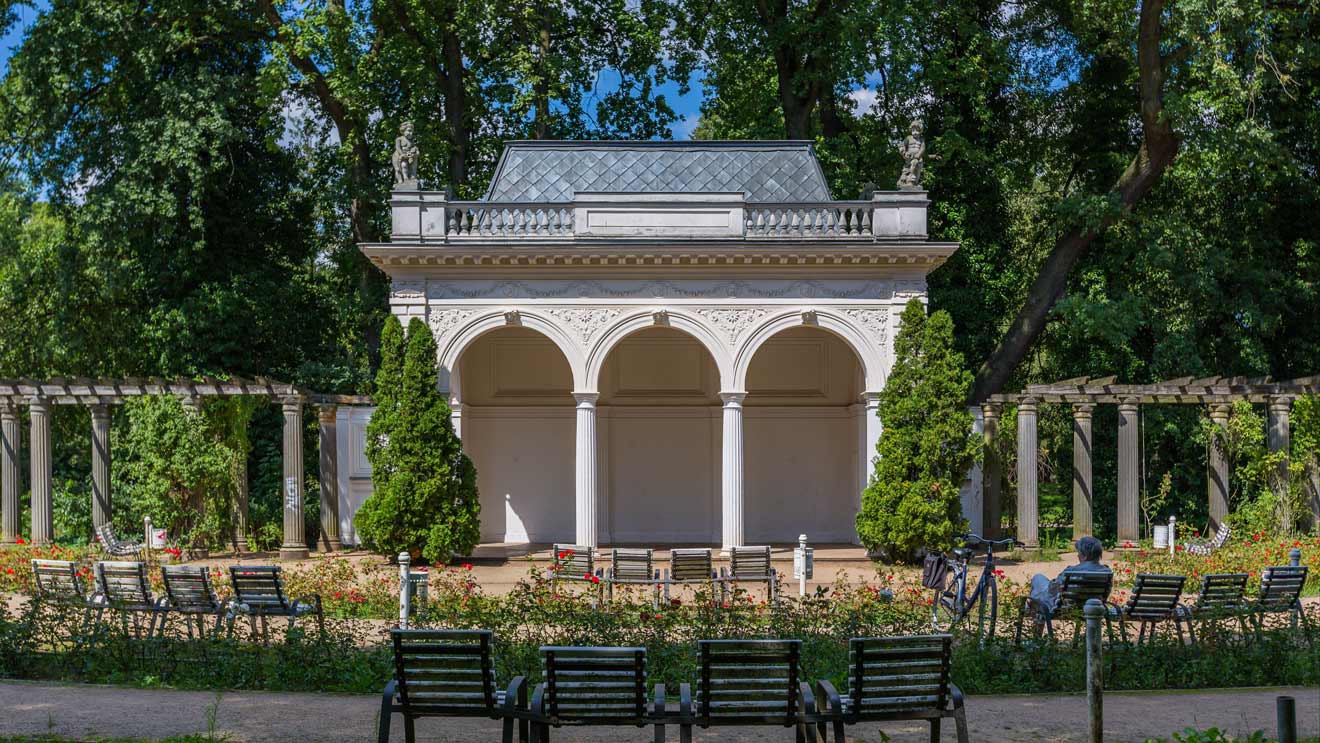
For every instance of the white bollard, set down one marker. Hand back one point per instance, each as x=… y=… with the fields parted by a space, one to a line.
x=405 y=599
x=1173 y=535
x=802 y=574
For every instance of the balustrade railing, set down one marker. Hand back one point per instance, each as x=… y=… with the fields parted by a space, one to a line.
x=490 y=219
x=828 y=219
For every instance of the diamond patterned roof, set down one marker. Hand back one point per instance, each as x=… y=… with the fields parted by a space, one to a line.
x=555 y=171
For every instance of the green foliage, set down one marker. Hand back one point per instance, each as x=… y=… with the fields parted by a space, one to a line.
x=926 y=446
x=426 y=502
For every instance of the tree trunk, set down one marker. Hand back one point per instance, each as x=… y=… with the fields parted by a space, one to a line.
x=1158 y=149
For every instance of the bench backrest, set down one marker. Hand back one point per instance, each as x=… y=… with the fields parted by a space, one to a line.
x=1221 y=536
x=632 y=564
x=112 y=544
x=749 y=563
x=444 y=671
x=897 y=675
x=124 y=583
x=1221 y=592
x=574 y=561
x=1154 y=596
x=189 y=589
x=259 y=586
x=1280 y=586
x=1079 y=586
x=584 y=684
x=58 y=580
x=748 y=681
x=689 y=564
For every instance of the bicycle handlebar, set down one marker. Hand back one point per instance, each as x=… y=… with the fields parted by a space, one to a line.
x=970 y=538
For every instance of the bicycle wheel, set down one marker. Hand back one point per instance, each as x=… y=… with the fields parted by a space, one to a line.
x=948 y=606
x=987 y=610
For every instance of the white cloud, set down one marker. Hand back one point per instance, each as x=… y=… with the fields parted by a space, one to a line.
x=863 y=100
x=304 y=124
x=683 y=129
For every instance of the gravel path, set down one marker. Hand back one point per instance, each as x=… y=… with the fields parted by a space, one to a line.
x=80 y=712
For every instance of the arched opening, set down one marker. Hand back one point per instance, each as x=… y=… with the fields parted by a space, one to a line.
x=658 y=427
x=804 y=436
x=515 y=390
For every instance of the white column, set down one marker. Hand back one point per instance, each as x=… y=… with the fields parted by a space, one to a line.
x=872 y=427
x=587 y=471
x=43 y=528
x=731 y=490
x=456 y=403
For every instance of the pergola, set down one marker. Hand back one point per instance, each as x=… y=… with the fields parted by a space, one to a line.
x=1083 y=394
x=97 y=395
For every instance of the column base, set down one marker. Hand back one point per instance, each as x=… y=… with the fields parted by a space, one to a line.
x=241 y=545
x=293 y=553
x=332 y=545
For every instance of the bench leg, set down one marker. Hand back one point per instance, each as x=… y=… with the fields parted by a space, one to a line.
x=960 y=723
x=386 y=709
x=935 y=730
x=409 y=729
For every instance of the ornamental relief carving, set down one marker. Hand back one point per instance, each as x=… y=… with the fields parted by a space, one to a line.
x=874 y=322
x=443 y=321
x=585 y=322
x=732 y=322
x=664 y=289
x=408 y=289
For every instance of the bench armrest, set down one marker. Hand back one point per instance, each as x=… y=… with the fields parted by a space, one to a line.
x=387 y=696
x=809 y=710
x=515 y=698
x=658 y=710
x=685 y=701
x=313 y=602
x=536 y=710
x=959 y=699
x=831 y=702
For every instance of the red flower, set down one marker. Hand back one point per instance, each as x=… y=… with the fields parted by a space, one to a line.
x=595 y=579
x=19 y=540
x=658 y=616
x=675 y=602
x=467 y=566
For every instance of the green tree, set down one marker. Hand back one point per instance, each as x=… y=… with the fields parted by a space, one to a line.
x=389 y=377
x=926 y=446
x=428 y=504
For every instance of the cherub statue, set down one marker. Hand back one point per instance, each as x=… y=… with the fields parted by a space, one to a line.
x=913 y=150
x=406 y=156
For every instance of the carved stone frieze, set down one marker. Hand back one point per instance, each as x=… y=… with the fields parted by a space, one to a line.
x=875 y=322
x=733 y=322
x=443 y=321
x=583 y=321
x=665 y=289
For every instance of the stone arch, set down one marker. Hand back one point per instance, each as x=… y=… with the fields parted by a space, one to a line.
x=869 y=355
x=658 y=318
x=484 y=321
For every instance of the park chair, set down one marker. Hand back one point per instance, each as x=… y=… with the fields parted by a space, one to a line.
x=1280 y=593
x=447 y=673
x=114 y=546
x=688 y=566
x=1202 y=547
x=633 y=567
x=1154 y=599
x=754 y=682
x=259 y=594
x=1221 y=597
x=124 y=587
x=595 y=686
x=190 y=595
x=573 y=562
x=1076 y=587
x=895 y=678
x=750 y=565
x=59 y=585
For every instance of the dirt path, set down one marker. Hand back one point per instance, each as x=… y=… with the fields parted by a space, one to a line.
x=77 y=711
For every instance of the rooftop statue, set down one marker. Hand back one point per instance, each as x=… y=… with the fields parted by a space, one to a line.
x=405 y=158
x=913 y=150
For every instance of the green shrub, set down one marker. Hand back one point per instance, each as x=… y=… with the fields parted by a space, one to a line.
x=425 y=500
x=926 y=445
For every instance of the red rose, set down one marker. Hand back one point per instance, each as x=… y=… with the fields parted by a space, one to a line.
x=467 y=566
x=19 y=540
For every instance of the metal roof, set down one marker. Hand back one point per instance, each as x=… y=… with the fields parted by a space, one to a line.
x=556 y=170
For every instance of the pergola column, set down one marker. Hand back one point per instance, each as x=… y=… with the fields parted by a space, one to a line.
x=1129 y=470
x=731 y=472
x=326 y=415
x=1217 y=467
x=1028 y=506
x=43 y=527
x=587 y=472
x=1083 y=504
x=295 y=531
x=1278 y=435
x=241 y=505
x=992 y=473
x=101 y=513
x=11 y=443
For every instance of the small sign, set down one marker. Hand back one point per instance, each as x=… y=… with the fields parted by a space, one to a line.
x=291 y=494
x=798 y=563
x=158 y=539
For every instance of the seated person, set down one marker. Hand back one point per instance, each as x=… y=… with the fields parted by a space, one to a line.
x=1045 y=592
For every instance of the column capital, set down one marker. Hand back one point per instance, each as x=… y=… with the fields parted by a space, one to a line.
x=871 y=399
x=8 y=408
x=1027 y=404
x=38 y=402
x=991 y=410
x=1129 y=404
x=291 y=403
x=1281 y=403
x=1219 y=411
x=326 y=413
x=586 y=399
x=732 y=399
x=1083 y=409
x=99 y=410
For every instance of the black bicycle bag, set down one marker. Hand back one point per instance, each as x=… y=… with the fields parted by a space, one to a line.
x=935 y=571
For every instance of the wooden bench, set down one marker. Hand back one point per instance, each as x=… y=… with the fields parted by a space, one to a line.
x=124 y=588
x=754 y=682
x=1154 y=599
x=59 y=585
x=191 y=596
x=1205 y=548
x=1221 y=597
x=1076 y=587
x=1280 y=592
x=750 y=565
x=114 y=546
x=447 y=673
x=895 y=678
x=688 y=567
x=259 y=594
x=573 y=562
x=595 y=686
x=634 y=567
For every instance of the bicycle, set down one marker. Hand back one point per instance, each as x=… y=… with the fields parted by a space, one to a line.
x=951 y=604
